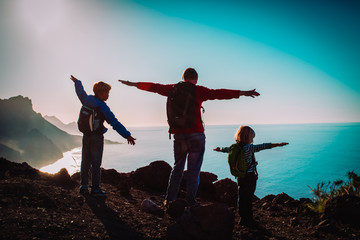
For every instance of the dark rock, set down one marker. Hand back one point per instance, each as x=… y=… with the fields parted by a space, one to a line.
x=210 y=222
x=154 y=176
x=176 y=208
x=343 y=208
x=206 y=185
x=149 y=206
x=63 y=179
x=120 y=180
x=226 y=191
x=11 y=169
x=111 y=176
x=282 y=198
x=268 y=198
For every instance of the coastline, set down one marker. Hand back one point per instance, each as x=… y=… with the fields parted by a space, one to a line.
x=71 y=160
x=35 y=205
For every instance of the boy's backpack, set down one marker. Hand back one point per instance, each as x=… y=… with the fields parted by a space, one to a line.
x=90 y=120
x=236 y=159
x=181 y=105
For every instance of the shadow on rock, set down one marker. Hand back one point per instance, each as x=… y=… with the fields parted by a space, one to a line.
x=115 y=227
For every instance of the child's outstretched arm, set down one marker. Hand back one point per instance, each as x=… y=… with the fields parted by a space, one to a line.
x=278 y=144
x=219 y=149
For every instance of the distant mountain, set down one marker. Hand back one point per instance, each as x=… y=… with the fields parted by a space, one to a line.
x=70 y=128
x=26 y=136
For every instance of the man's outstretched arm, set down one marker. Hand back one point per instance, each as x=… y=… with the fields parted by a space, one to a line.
x=128 y=83
x=162 y=89
x=251 y=93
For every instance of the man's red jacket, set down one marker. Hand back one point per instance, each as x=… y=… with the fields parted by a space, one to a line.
x=202 y=94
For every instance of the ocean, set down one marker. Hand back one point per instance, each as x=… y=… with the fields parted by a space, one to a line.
x=316 y=153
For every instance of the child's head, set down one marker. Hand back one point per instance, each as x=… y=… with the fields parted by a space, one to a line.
x=190 y=75
x=101 y=90
x=244 y=134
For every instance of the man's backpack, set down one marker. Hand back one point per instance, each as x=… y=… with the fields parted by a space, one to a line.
x=181 y=105
x=236 y=159
x=90 y=120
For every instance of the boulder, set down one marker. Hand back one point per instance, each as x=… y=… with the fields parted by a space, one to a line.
x=154 y=176
x=119 y=180
x=150 y=207
x=63 y=179
x=206 y=186
x=226 y=191
x=111 y=176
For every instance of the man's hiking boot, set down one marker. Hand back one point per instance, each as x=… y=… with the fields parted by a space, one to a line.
x=98 y=193
x=84 y=190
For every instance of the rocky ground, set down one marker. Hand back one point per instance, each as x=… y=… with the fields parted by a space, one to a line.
x=35 y=205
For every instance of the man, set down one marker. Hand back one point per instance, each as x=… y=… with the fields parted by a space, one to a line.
x=93 y=143
x=189 y=143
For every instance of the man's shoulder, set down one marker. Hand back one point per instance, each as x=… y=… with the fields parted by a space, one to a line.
x=201 y=89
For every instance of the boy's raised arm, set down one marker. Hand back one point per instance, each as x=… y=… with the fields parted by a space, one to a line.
x=79 y=89
x=73 y=78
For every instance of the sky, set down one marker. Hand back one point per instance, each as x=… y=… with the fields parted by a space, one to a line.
x=303 y=57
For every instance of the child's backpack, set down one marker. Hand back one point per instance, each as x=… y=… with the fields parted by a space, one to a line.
x=236 y=159
x=181 y=105
x=89 y=120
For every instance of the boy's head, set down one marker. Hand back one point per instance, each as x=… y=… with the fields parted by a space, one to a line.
x=101 y=90
x=244 y=134
x=190 y=75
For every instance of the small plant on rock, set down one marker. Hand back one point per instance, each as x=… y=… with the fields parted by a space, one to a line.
x=325 y=191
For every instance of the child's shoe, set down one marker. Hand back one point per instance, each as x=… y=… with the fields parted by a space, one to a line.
x=98 y=193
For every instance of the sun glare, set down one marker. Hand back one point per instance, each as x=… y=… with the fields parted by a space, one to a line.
x=70 y=161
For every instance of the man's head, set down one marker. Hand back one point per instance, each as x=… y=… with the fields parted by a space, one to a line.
x=101 y=90
x=190 y=75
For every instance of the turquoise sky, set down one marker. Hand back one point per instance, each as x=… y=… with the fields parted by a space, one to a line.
x=302 y=56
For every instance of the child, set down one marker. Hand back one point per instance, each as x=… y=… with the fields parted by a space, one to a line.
x=244 y=136
x=93 y=143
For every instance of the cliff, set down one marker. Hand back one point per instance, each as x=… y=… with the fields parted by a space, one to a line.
x=35 y=205
x=26 y=136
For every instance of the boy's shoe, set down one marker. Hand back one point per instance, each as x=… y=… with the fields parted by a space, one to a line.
x=98 y=193
x=84 y=190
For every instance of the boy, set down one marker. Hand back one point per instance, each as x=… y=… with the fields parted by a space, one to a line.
x=93 y=143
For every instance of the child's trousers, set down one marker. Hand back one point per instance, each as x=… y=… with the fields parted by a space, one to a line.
x=246 y=190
